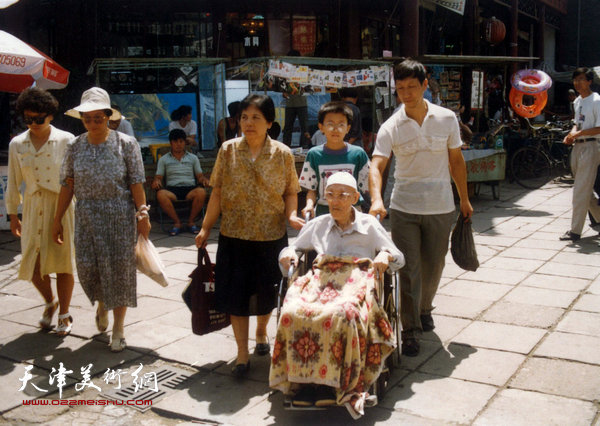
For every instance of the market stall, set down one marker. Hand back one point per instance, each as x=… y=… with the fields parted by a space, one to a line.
x=319 y=80
x=148 y=89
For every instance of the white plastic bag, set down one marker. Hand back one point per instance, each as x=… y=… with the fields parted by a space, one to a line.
x=148 y=262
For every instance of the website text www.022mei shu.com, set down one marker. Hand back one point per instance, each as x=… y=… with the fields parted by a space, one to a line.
x=86 y=402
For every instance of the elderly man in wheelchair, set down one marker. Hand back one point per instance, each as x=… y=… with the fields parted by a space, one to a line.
x=333 y=335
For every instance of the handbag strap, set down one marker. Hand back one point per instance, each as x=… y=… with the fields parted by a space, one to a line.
x=203 y=257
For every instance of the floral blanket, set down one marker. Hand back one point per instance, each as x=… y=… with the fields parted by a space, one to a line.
x=332 y=330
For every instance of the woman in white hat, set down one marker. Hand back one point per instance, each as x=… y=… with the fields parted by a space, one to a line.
x=104 y=170
x=333 y=336
x=35 y=157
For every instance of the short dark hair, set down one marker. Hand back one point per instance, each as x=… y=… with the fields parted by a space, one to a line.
x=274 y=131
x=410 y=68
x=181 y=112
x=336 y=107
x=588 y=73
x=176 y=134
x=348 y=92
x=37 y=100
x=233 y=108
x=263 y=102
x=107 y=112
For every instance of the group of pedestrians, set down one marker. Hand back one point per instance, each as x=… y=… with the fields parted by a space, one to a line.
x=103 y=170
x=254 y=192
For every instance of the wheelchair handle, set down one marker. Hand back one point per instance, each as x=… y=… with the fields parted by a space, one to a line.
x=306 y=217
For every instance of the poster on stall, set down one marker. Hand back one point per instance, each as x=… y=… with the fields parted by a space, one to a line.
x=477 y=90
x=299 y=74
x=365 y=78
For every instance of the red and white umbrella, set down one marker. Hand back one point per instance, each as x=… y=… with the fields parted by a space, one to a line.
x=21 y=65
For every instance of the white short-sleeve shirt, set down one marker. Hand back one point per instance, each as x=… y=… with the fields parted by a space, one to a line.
x=422 y=177
x=190 y=129
x=587 y=111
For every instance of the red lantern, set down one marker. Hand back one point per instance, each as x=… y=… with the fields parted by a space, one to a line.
x=495 y=31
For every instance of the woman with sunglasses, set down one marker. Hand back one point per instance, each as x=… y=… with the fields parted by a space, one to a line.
x=35 y=157
x=104 y=170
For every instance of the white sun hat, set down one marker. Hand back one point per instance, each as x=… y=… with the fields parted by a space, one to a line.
x=342 y=178
x=93 y=99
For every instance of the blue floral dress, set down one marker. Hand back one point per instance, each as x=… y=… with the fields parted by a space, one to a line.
x=105 y=225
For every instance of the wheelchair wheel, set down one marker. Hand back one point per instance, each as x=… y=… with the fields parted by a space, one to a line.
x=392 y=310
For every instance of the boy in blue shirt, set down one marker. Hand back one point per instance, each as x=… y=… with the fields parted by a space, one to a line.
x=335 y=156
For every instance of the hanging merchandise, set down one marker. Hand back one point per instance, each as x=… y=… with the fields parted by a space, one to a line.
x=534 y=84
x=531 y=81
x=530 y=110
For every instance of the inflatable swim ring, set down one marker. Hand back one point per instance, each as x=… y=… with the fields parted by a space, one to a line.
x=531 y=81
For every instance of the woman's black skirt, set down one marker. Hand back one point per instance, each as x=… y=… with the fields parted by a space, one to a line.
x=247 y=275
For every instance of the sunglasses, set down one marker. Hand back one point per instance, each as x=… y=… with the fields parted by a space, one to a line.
x=96 y=119
x=38 y=119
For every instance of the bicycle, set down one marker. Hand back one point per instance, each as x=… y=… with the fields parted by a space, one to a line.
x=545 y=158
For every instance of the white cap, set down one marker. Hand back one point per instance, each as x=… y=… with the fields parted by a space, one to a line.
x=94 y=99
x=341 y=178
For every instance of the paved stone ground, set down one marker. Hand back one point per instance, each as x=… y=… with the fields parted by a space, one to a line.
x=517 y=342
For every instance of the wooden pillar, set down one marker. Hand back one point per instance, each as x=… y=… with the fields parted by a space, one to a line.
x=540 y=32
x=514 y=32
x=410 y=29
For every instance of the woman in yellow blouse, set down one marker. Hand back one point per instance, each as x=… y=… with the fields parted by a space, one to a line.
x=255 y=188
x=35 y=157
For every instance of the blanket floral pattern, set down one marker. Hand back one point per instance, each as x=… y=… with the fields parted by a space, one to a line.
x=332 y=330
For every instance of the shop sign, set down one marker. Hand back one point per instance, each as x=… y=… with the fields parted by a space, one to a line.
x=304 y=36
x=457 y=6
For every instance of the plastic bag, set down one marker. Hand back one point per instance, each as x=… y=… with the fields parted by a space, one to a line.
x=462 y=245
x=148 y=262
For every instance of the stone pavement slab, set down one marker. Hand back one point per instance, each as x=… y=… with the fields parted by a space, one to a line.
x=589 y=303
x=541 y=296
x=555 y=282
x=500 y=336
x=445 y=328
x=10 y=304
x=591 y=259
x=496 y=275
x=523 y=314
x=528 y=253
x=475 y=290
x=526 y=265
x=214 y=397
x=462 y=307
x=578 y=322
x=516 y=407
x=568 y=270
x=576 y=347
x=272 y=412
x=153 y=334
x=8 y=329
x=570 y=379
x=208 y=352
x=11 y=372
x=474 y=364
x=434 y=397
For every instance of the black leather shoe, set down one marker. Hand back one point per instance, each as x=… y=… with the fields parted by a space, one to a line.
x=410 y=347
x=240 y=370
x=262 y=349
x=324 y=396
x=305 y=397
x=570 y=236
x=427 y=322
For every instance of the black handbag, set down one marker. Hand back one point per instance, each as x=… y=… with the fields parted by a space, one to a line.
x=199 y=296
x=462 y=245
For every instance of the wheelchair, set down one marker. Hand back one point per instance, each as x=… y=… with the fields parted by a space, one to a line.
x=388 y=293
